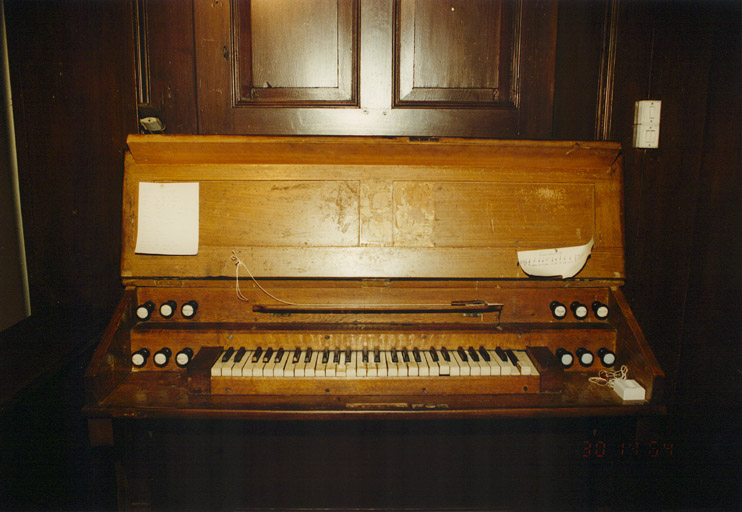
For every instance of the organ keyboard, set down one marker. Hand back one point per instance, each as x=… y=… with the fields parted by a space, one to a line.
x=369 y=277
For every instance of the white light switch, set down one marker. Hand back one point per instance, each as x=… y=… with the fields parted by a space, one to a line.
x=647 y=123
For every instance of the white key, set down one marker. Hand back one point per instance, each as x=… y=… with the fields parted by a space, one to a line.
x=361 y=366
x=237 y=368
x=372 y=367
x=392 y=367
x=270 y=365
x=260 y=366
x=383 y=369
x=485 y=367
x=401 y=365
x=433 y=368
x=353 y=365
x=300 y=366
x=247 y=368
x=494 y=368
x=331 y=367
x=422 y=365
x=278 y=369
x=524 y=363
x=310 y=368
x=290 y=366
x=412 y=368
x=513 y=367
x=342 y=366
x=505 y=366
x=218 y=366
x=444 y=366
x=227 y=366
x=464 y=368
x=482 y=368
x=474 y=366
x=453 y=366
x=321 y=365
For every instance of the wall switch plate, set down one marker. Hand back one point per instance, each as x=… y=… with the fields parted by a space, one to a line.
x=647 y=124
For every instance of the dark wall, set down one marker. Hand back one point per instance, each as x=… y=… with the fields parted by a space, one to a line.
x=72 y=76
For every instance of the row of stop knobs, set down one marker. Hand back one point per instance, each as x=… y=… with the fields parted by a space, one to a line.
x=579 y=310
x=162 y=357
x=167 y=309
x=585 y=357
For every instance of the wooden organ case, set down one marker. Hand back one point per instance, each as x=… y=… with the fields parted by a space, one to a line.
x=378 y=278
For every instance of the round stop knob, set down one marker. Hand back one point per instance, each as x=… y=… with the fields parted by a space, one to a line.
x=585 y=357
x=162 y=357
x=565 y=357
x=579 y=310
x=145 y=310
x=167 y=309
x=188 y=310
x=139 y=358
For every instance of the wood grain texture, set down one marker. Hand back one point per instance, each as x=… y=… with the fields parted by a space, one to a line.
x=344 y=85
x=455 y=52
x=293 y=207
x=302 y=53
x=170 y=63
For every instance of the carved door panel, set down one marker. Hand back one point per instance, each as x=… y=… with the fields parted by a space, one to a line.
x=375 y=67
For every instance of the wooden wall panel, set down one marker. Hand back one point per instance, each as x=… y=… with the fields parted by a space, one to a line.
x=455 y=52
x=238 y=62
x=301 y=52
x=580 y=45
x=165 y=50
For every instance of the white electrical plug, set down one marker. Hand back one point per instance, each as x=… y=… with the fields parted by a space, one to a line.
x=628 y=390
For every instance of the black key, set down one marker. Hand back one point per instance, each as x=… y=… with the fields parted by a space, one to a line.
x=395 y=359
x=325 y=355
x=348 y=355
x=405 y=355
x=434 y=354
x=256 y=355
x=416 y=355
x=364 y=357
x=268 y=354
x=462 y=354
x=308 y=356
x=239 y=355
x=377 y=355
x=485 y=354
x=501 y=353
x=336 y=356
x=446 y=355
x=512 y=357
x=297 y=355
x=227 y=354
x=473 y=354
x=279 y=356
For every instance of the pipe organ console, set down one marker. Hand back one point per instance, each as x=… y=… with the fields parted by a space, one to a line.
x=301 y=278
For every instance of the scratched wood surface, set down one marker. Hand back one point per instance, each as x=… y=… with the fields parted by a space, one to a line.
x=384 y=208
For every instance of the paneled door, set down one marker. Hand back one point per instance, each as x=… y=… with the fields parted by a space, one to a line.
x=480 y=68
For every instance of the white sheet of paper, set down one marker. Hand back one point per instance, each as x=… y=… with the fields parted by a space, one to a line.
x=564 y=262
x=167 y=221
